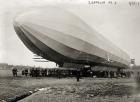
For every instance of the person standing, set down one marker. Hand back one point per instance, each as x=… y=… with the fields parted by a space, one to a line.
x=14 y=71
x=78 y=75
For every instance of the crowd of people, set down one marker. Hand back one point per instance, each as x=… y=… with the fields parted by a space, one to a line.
x=58 y=72
x=40 y=72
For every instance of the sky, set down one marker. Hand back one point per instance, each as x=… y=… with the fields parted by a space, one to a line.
x=118 y=23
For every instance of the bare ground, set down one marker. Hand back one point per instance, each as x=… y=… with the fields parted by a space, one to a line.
x=68 y=90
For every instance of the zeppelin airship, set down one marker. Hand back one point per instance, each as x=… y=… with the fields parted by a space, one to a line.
x=61 y=36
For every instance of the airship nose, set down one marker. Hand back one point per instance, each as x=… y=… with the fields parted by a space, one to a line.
x=19 y=20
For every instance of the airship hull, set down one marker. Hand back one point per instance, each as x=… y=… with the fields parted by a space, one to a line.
x=66 y=38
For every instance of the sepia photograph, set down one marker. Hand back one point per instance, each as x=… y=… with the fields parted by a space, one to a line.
x=69 y=51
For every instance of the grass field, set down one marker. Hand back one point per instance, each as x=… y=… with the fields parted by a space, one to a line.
x=67 y=89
